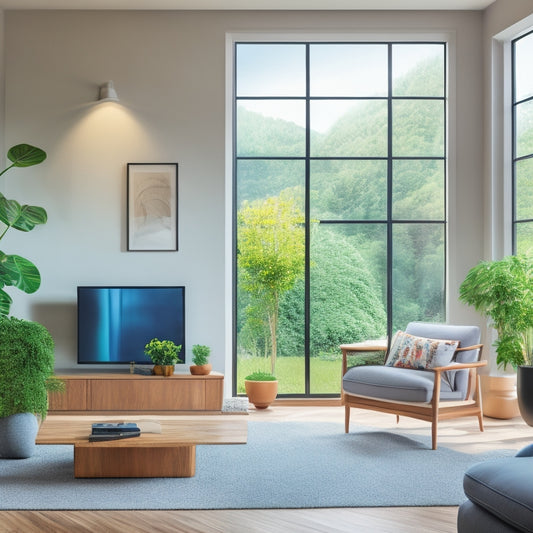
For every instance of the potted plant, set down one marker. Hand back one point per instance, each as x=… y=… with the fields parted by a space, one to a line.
x=200 y=356
x=26 y=375
x=502 y=290
x=26 y=357
x=164 y=355
x=261 y=388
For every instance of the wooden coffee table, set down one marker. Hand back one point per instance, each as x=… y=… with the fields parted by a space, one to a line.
x=171 y=453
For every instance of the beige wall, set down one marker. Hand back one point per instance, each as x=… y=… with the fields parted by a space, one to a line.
x=169 y=71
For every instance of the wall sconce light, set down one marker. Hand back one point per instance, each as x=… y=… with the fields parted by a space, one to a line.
x=107 y=93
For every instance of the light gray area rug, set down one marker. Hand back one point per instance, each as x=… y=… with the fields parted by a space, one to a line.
x=284 y=465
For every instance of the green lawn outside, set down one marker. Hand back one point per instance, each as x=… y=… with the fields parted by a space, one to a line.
x=290 y=371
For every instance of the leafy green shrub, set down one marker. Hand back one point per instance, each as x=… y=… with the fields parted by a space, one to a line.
x=261 y=376
x=26 y=367
x=163 y=353
x=200 y=354
x=503 y=291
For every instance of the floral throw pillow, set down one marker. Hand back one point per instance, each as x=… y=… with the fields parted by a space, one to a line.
x=420 y=353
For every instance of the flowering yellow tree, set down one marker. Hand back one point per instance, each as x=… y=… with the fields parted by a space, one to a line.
x=270 y=254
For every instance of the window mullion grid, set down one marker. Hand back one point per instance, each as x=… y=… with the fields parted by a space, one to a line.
x=513 y=148
x=307 y=282
x=389 y=194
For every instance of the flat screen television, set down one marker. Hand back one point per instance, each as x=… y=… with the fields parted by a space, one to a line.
x=115 y=323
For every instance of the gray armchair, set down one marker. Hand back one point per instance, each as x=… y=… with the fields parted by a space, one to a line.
x=431 y=394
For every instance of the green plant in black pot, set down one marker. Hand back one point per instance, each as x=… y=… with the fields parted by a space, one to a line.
x=26 y=376
x=16 y=270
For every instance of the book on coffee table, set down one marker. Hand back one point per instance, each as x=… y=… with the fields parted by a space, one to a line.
x=106 y=428
x=113 y=436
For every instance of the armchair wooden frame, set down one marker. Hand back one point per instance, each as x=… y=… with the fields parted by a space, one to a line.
x=433 y=411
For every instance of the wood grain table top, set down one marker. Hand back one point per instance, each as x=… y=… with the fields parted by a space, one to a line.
x=176 y=431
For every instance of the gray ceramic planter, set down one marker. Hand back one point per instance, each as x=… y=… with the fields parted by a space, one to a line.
x=17 y=436
x=524 y=389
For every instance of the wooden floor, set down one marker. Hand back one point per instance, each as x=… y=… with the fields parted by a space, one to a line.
x=461 y=434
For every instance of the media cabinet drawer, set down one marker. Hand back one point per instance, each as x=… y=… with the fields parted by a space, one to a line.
x=137 y=395
x=124 y=392
x=73 y=399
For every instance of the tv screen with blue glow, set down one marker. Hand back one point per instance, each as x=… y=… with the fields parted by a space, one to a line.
x=115 y=323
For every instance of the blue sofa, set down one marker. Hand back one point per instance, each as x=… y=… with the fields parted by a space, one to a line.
x=500 y=495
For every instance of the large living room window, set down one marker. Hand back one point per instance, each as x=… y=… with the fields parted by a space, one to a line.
x=522 y=52
x=340 y=201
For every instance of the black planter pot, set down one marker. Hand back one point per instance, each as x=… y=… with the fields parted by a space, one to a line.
x=524 y=389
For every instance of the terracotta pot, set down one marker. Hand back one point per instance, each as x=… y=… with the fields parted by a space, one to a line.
x=168 y=370
x=499 y=396
x=201 y=370
x=261 y=393
x=524 y=386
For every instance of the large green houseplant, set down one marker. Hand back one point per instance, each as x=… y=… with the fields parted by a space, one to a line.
x=26 y=376
x=16 y=270
x=26 y=348
x=502 y=290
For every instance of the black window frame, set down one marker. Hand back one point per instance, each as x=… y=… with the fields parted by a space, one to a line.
x=514 y=106
x=390 y=222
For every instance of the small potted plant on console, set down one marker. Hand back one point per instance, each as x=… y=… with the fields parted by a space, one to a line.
x=164 y=355
x=261 y=388
x=200 y=356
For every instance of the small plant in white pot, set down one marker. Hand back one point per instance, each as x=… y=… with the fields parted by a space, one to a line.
x=261 y=388
x=200 y=357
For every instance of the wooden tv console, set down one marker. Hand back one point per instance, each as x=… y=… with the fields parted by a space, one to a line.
x=135 y=392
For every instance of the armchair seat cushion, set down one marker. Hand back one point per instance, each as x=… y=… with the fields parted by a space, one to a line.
x=395 y=384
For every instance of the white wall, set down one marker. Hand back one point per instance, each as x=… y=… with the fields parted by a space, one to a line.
x=169 y=71
x=502 y=21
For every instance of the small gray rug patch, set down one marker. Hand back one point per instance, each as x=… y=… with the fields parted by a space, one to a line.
x=283 y=465
x=235 y=405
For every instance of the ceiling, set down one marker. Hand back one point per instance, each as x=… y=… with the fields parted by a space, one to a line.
x=247 y=4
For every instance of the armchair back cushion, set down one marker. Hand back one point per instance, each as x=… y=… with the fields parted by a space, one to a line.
x=467 y=335
x=420 y=353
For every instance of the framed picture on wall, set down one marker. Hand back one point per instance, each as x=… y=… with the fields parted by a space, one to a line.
x=152 y=207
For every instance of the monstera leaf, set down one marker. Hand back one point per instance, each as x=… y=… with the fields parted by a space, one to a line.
x=25 y=155
x=19 y=272
x=5 y=302
x=23 y=218
x=15 y=270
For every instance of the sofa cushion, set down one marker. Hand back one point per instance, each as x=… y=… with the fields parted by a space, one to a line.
x=411 y=351
x=395 y=384
x=504 y=487
x=472 y=518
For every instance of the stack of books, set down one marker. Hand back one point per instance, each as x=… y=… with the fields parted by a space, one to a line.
x=114 y=431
